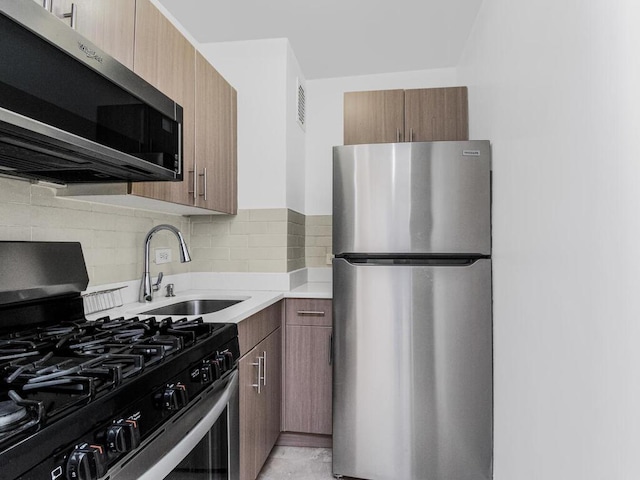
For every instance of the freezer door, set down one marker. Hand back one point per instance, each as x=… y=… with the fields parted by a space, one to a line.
x=411 y=198
x=412 y=371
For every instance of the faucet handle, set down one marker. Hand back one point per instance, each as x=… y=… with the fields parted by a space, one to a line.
x=156 y=286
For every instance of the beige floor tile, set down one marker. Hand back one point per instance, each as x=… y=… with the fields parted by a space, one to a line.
x=298 y=463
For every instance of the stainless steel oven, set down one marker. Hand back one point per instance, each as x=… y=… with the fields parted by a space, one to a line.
x=202 y=443
x=113 y=398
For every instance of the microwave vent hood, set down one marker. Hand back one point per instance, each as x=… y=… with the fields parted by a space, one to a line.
x=70 y=113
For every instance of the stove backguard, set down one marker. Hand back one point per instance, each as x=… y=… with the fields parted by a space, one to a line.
x=40 y=281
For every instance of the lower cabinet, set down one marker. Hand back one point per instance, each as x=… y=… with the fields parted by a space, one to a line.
x=260 y=369
x=307 y=369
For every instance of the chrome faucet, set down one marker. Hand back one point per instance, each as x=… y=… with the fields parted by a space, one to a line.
x=146 y=288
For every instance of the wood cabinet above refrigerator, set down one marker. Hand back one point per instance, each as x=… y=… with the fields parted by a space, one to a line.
x=417 y=115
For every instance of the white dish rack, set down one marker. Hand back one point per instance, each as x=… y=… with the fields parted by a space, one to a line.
x=102 y=300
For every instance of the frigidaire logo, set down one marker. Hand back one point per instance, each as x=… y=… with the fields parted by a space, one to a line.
x=89 y=53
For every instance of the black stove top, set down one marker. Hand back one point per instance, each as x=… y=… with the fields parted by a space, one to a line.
x=78 y=395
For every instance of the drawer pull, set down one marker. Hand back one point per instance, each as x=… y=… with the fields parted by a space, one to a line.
x=264 y=369
x=260 y=366
x=311 y=313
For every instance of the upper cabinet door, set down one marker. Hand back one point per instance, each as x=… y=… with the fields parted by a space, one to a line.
x=434 y=114
x=216 y=140
x=373 y=117
x=166 y=59
x=107 y=23
x=420 y=115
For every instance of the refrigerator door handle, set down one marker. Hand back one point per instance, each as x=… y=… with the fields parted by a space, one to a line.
x=425 y=261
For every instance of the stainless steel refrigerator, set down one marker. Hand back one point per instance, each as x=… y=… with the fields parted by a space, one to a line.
x=412 y=311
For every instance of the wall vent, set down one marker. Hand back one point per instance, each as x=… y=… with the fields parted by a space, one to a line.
x=301 y=105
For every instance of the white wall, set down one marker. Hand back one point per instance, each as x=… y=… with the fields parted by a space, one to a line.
x=554 y=85
x=258 y=71
x=279 y=164
x=295 y=137
x=324 y=122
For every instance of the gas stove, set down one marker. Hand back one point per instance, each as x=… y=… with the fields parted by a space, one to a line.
x=77 y=396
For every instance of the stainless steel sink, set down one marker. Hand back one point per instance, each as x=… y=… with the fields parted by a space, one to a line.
x=193 y=307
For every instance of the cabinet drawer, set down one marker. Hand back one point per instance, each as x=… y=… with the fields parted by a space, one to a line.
x=256 y=328
x=308 y=311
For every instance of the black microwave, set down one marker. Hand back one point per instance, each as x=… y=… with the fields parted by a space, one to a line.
x=70 y=113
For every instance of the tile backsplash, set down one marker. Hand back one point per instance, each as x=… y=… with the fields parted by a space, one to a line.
x=318 y=240
x=256 y=240
x=112 y=237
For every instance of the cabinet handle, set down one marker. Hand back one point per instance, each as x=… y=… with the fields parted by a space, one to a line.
x=260 y=368
x=311 y=313
x=411 y=135
x=204 y=182
x=47 y=5
x=397 y=135
x=264 y=369
x=194 y=185
x=331 y=349
x=73 y=15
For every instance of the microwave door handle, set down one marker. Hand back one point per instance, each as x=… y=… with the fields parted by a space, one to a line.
x=178 y=155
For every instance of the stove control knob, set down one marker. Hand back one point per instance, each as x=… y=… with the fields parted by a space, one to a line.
x=123 y=436
x=225 y=359
x=209 y=371
x=229 y=357
x=174 y=397
x=86 y=462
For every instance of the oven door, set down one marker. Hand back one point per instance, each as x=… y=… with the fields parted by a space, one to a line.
x=202 y=442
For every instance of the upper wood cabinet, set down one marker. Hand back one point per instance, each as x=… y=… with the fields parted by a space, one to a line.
x=165 y=59
x=373 y=117
x=433 y=114
x=107 y=23
x=137 y=34
x=215 y=172
x=419 y=115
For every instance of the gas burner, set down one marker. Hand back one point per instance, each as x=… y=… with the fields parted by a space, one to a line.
x=12 y=415
x=18 y=415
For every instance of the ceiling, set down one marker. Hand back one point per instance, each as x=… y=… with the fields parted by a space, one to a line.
x=338 y=38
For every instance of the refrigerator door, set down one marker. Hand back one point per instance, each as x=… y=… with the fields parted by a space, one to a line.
x=412 y=198
x=412 y=371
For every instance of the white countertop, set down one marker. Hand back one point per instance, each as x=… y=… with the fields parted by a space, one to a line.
x=252 y=302
x=311 y=290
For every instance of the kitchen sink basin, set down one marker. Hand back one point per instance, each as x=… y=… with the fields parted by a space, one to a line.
x=193 y=307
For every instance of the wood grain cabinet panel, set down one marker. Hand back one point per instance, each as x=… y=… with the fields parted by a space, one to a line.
x=308 y=371
x=434 y=114
x=107 y=23
x=260 y=370
x=417 y=115
x=216 y=140
x=373 y=117
x=166 y=59
x=138 y=35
